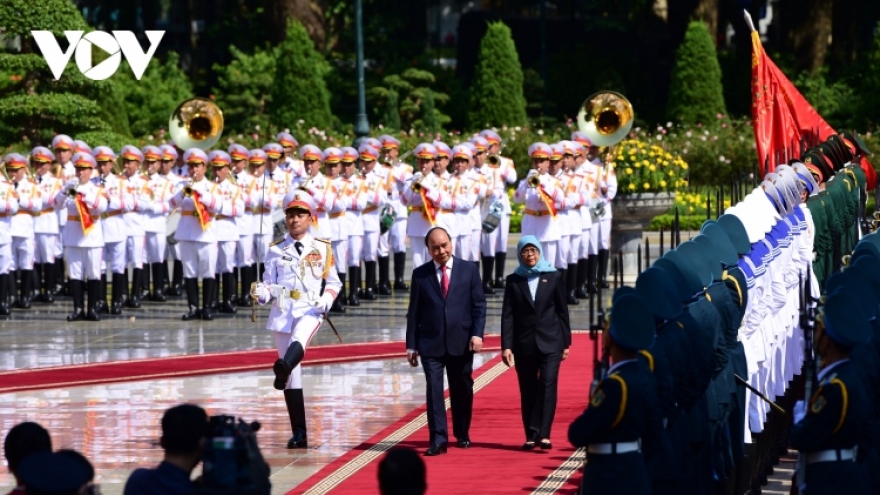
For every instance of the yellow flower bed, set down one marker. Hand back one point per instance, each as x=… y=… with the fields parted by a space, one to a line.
x=644 y=167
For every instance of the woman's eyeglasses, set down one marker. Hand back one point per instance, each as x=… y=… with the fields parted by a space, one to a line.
x=529 y=252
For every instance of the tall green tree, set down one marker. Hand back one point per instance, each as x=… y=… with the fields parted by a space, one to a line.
x=150 y=101
x=244 y=89
x=695 y=91
x=497 y=88
x=392 y=111
x=429 y=114
x=33 y=105
x=411 y=88
x=299 y=90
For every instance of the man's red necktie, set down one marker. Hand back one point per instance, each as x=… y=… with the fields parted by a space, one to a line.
x=444 y=281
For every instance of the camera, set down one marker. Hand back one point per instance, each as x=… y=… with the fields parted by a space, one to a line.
x=232 y=462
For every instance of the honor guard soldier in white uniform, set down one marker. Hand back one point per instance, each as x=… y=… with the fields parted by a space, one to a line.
x=244 y=250
x=594 y=207
x=351 y=194
x=198 y=203
x=301 y=283
x=318 y=187
x=556 y=171
x=8 y=209
x=45 y=223
x=289 y=161
x=374 y=190
x=499 y=172
x=30 y=202
x=572 y=183
x=170 y=157
x=225 y=229
x=80 y=146
x=474 y=219
x=462 y=190
x=159 y=190
x=335 y=219
x=113 y=228
x=265 y=198
x=135 y=233
x=424 y=196
x=542 y=199
x=180 y=167
x=63 y=146
x=442 y=169
x=394 y=239
x=606 y=189
x=284 y=180
x=84 y=201
x=586 y=170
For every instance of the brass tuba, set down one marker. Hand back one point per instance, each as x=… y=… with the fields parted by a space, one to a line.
x=606 y=118
x=196 y=123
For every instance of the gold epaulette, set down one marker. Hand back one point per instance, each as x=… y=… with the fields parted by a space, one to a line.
x=325 y=241
x=275 y=243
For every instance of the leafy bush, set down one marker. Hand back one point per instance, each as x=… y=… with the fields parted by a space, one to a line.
x=150 y=101
x=244 y=89
x=412 y=88
x=695 y=91
x=299 y=90
x=497 y=88
x=108 y=138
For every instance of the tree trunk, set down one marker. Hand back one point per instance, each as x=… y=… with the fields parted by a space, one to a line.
x=682 y=12
x=805 y=26
x=309 y=12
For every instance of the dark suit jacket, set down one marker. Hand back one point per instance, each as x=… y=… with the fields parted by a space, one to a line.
x=540 y=325
x=436 y=327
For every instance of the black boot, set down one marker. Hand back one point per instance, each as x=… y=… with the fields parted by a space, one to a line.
x=339 y=303
x=76 y=291
x=500 y=259
x=488 y=265
x=384 y=273
x=120 y=285
x=11 y=288
x=570 y=282
x=4 y=309
x=284 y=366
x=24 y=294
x=102 y=304
x=95 y=295
x=226 y=306
x=134 y=300
x=399 y=267
x=603 y=268
x=353 y=286
x=47 y=286
x=580 y=291
x=159 y=272
x=59 y=277
x=592 y=270
x=191 y=286
x=244 y=298
x=209 y=286
x=370 y=282
x=296 y=408
x=176 y=279
x=235 y=277
x=144 y=282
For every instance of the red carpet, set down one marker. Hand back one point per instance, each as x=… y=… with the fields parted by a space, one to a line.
x=495 y=463
x=201 y=364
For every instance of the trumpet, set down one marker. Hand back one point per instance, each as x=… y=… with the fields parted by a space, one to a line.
x=187 y=191
x=417 y=184
x=534 y=181
x=71 y=191
x=305 y=185
x=495 y=158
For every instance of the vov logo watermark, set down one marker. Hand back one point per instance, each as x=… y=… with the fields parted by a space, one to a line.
x=118 y=44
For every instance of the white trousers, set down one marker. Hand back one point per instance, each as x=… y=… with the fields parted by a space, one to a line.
x=550 y=248
x=355 y=250
x=303 y=330
x=419 y=251
x=605 y=233
x=134 y=250
x=23 y=253
x=173 y=252
x=6 y=263
x=496 y=241
x=462 y=247
x=83 y=263
x=394 y=240
x=592 y=236
x=226 y=256
x=199 y=258
x=44 y=251
x=574 y=251
x=261 y=246
x=563 y=251
x=340 y=253
x=156 y=247
x=474 y=245
x=114 y=256
x=59 y=246
x=371 y=246
x=244 y=251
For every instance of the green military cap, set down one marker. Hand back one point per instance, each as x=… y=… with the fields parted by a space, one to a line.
x=723 y=244
x=678 y=279
x=694 y=282
x=712 y=255
x=818 y=165
x=632 y=326
x=840 y=148
x=856 y=142
x=693 y=254
x=845 y=321
x=736 y=233
x=831 y=154
x=659 y=293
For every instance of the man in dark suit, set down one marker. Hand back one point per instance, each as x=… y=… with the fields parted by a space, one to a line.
x=444 y=324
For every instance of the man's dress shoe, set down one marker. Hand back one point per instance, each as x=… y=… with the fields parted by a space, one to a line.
x=436 y=449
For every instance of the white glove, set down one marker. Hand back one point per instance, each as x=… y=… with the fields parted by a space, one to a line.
x=325 y=302
x=260 y=293
x=206 y=199
x=531 y=173
x=800 y=411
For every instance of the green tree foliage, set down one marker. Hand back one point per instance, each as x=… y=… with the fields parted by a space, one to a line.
x=695 y=92
x=411 y=86
x=244 y=88
x=150 y=101
x=105 y=138
x=34 y=106
x=429 y=121
x=866 y=82
x=497 y=89
x=392 y=111
x=299 y=90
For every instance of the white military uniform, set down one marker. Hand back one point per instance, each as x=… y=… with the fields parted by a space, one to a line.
x=336 y=224
x=83 y=250
x=568 y=217
x=8 y=209
x=173 y=250
x=496 y=241
x=265 y=201
x=355 y=201
x=159 y=191
x=225 y=224
x=374 y=192
x=244 y=251
x=588 y=240
x=419 y=220
x=394 y=241
x=30 y=202
x=475 y=221
x=135 y=230
x=607 y=178
x=292 y=283
x=198 y=245
x=324 y=193
x=46 y=222
x=539 y=220
x=463 y=191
